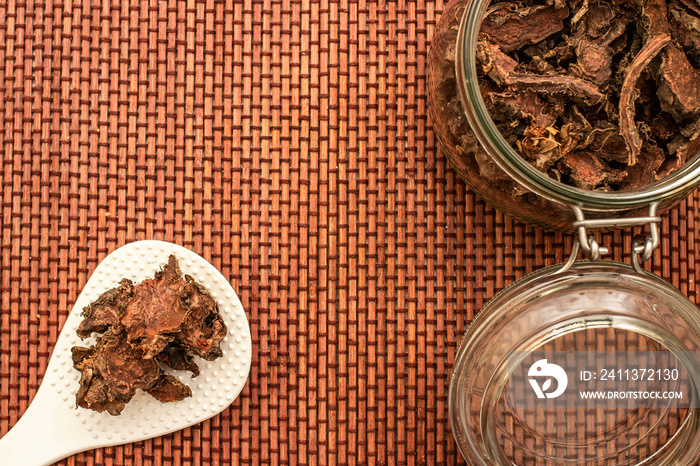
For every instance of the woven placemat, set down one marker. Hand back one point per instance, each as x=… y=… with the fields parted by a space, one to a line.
x=288 y=143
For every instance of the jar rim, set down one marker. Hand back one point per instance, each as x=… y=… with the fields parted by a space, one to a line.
x=683 y=180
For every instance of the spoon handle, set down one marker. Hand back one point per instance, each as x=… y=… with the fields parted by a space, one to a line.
x=41 y=437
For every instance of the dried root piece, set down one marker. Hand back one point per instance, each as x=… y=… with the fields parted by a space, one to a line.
x=202 y=328
x=111 y=372
x=594 y=62
x=106 y=311
x=628 y=128
x=160 y=320
x=178 y=358
x=156 y=313
x=493 y=61
x=524 y=105
x=579 y=90
x=587 y=171
x=655 y=17
x=167 y=388
x=512 y=30
x=682 y=147
x=644 y=173
x=679 y=89
x=686 y=29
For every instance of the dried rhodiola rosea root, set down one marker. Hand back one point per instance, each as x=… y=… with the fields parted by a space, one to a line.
x=600 y=95
x=159 y=322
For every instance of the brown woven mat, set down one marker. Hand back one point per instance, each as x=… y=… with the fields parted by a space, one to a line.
x=288 y=143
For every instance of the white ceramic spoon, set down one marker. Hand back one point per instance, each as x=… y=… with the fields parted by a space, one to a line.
x=53 y=428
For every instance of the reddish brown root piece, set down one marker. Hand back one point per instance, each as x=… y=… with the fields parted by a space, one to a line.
x=106 y=311
x=628 y=128
x=511 y=31
x=160 y=320
x=655 y=17
x=112 y=371
x=679 y=90
x=176 y=357
x=167 y=388
x=154 y=315
x=594 y=61
x=580 y=90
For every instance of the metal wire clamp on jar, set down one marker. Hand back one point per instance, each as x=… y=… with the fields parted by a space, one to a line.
x=578 y=304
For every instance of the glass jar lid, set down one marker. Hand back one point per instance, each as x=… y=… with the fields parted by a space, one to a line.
x=597 y=363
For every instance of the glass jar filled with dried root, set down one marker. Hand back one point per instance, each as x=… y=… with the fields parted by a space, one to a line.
x=562 y=110
x=575 y=115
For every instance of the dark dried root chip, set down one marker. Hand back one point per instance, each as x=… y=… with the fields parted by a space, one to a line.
x=585 y=169
x=628 y=128
x=579 y=90
x=178 y=358
x=156 y=313
x=511 y=30
x=167 y=388
x=679 y=89
x=111 y=372
x=202 y=328
x=106 y=311
x=594 y=62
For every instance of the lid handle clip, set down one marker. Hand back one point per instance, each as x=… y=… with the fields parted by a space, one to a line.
x=642 y=245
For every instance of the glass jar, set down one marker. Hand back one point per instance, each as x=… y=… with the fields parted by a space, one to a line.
x=488 y=164
x=602 y=308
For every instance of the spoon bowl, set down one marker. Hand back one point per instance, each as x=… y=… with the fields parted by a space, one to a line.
x=53 y=427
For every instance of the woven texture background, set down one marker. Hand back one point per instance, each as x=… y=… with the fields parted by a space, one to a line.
x=288 y=143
